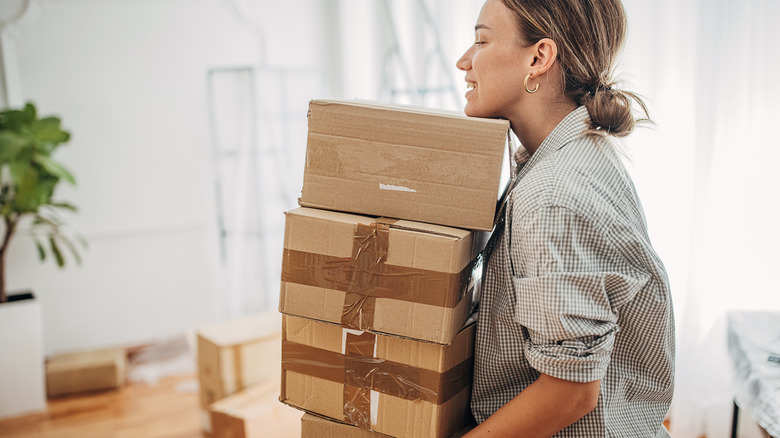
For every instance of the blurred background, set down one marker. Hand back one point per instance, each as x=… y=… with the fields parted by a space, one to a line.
x=188 y=122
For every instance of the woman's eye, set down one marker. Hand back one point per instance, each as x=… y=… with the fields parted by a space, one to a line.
x=478 y=43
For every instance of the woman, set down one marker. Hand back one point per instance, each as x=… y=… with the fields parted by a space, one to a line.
x=576 y=334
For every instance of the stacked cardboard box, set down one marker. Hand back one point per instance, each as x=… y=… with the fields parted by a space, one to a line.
x=404 y=163
x=377 y=280
x=313 y=426
x=396 y=277
x=397 y=386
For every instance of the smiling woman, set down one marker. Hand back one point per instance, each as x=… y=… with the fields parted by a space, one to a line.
x=574 y=298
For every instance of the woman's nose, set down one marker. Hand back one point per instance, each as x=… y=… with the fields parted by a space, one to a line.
x=464 y=63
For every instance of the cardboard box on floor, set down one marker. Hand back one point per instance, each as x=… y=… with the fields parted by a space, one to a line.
x=399 y=277
x=235 y=354
x=254 y=412
x=313 y=426
x=404 y=163
x=85 y=371
x=396 y=386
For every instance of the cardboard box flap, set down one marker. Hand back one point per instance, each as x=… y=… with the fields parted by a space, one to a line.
x=501 y=123
x=421 y=227
x=242 y=330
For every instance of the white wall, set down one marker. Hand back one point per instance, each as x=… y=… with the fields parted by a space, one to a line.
x=129 y=79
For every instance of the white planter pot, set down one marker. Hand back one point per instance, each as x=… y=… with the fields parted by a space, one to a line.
x=22 y=369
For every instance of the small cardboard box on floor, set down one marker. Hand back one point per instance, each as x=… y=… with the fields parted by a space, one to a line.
x=413 y=164
x=254 y=412
x=392 y=385
x=235 y=354
x=86 y=371
x=313 y=426
x=399 y=277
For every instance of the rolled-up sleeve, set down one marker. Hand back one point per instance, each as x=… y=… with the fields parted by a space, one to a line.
x=570 y=282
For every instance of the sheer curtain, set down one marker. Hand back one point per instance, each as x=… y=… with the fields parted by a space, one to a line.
x=734 y=237
x=706 y=175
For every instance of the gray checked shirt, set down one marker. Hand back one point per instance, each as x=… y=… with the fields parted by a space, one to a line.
x=574 y=289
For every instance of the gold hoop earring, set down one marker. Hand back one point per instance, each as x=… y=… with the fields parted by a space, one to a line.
x=525 y=82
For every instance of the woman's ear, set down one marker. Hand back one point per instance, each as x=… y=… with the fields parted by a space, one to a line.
x=545 y=52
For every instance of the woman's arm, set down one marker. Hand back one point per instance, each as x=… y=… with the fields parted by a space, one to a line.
x=544 y=408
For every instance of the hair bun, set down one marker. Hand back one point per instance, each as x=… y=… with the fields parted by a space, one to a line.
x=611 y=111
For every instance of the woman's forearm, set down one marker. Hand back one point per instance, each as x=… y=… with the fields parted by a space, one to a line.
x=544 y=408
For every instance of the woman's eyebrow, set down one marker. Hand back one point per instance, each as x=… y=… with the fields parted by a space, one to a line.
x=481 y=26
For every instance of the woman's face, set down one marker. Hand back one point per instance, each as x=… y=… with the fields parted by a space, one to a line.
x=494 y=64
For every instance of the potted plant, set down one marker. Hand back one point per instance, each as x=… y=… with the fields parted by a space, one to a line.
x=28 y=178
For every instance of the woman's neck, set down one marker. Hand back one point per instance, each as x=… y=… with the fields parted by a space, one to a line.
x=533 y=125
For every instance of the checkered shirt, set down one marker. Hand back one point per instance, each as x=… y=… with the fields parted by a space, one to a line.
x=573 y=289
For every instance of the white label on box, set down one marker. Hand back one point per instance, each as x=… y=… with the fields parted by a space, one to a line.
x=374 y=406
x=396 y=188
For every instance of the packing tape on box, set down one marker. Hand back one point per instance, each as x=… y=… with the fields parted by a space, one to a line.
x=365 y=276
x=365 y=376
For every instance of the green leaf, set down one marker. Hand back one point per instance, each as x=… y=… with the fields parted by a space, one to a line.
x=34 y=190
x=53 y=168
x=43 y=220
x=47 y=130
x=55 y=249
x=30 y=111
x=71 y=247
x=65 y=206
x=11 y=144
x=41 y=250
x=17 y=120
x=19 y=167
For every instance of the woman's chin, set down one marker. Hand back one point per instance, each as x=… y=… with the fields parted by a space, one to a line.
x=471 y=111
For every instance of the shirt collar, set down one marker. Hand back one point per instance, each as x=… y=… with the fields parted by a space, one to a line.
x=570 y=128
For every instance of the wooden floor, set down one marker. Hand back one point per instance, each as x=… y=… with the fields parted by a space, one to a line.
x=168 y=409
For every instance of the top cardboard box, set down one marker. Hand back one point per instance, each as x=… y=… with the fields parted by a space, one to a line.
x=404 y=163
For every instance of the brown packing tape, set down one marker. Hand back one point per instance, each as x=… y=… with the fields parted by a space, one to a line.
x=369 y=253
x=357 y=399
x=358 y=311
x=394 y=282
x=387 y=377
x=357 y=406
x=386 y=220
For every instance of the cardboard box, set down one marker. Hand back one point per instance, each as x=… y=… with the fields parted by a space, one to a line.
x=388 y=276
x=254 y=412
x=313 y=426
x=235 y=354
x=396 y=386
x=404 y=163
x=85 y=371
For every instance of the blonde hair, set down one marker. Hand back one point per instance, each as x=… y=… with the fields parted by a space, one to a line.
x=589 y=35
